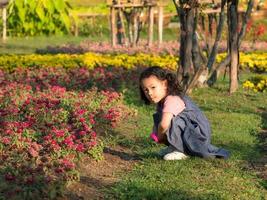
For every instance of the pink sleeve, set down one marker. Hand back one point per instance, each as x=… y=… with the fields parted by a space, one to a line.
x=174 y=105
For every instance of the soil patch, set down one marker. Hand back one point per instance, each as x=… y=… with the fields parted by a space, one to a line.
x=95 y=176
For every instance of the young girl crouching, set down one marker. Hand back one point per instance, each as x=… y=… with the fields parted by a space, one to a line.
x=178 y=122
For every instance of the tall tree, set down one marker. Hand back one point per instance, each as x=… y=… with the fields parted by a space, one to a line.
x=232 y=20
x=193 y=64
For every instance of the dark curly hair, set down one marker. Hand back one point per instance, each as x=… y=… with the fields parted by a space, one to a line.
x=174 y=87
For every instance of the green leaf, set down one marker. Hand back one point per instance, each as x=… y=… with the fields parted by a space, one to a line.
x=59 y=5
x=40 y=12
x=49 y=5
x=66 y=21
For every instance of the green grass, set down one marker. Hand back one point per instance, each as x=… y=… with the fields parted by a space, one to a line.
x=27 y=45
x=235 y=124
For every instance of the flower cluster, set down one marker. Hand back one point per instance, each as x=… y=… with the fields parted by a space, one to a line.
x=256 y=84
x=166 y=48
x=255 y=61
x=255 y=30
x=48 y=121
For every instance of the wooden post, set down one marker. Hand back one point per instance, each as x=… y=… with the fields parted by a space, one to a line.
x=123 y=28
x=160 y=24
x=4 y=23
x=135 y=27
x=150 y=25
x=113 y=25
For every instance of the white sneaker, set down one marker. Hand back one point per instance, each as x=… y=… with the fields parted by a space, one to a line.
x=175 y=155
x=166 y=150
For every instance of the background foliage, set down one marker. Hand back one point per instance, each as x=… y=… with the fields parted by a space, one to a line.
x=42 y=17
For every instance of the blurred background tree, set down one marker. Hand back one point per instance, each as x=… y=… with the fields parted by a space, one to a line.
x=42 y=17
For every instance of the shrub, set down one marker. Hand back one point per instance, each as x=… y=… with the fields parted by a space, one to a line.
x=47 y=122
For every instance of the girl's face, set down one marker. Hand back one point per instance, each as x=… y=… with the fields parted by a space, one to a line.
x=154 y=88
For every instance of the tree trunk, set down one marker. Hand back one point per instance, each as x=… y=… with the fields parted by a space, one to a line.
x=215 y=71
x=233 y=43
x=186 y=69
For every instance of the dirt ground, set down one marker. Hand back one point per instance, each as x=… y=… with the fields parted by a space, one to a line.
x=96 y=176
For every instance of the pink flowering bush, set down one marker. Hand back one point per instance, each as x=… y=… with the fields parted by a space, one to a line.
x=48 y=119
x=166 y=48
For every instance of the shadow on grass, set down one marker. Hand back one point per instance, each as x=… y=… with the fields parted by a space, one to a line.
x=134 y=190
x=123 y=155
x=260 y=164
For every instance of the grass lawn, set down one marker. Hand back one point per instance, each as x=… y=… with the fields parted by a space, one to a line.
x=235 y=123
x=28 y=45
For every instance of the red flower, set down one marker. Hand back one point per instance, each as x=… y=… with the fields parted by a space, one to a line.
x=68 y=142
x=93 y=134
x=9 y=177
x=92 y=121
x=5 y=140
x=68 y=164
x=59 y=133
x=80 y=147
x=260 y=30
x=59 y=170
x=82 y=120
x=82 y=133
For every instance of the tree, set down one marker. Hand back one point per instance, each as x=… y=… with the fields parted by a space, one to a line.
x=193 y=63
x=42 y=17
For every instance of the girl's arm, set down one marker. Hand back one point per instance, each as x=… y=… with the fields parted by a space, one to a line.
x=164 y=125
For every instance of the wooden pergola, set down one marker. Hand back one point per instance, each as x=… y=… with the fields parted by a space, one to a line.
x=117 y=8
x=3 y=4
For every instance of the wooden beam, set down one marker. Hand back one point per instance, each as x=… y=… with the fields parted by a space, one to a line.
x=130 y=5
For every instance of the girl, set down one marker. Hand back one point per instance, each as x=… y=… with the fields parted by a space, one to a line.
x=178 y=122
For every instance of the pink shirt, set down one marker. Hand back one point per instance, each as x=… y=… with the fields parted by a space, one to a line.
x=173 y=104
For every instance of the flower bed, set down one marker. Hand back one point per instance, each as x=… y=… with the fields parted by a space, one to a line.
x=49 y=119
x=256 y=61
x=256 y=84
x=253 y=61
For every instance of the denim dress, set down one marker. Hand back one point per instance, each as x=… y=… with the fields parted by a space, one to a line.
x=190 y=133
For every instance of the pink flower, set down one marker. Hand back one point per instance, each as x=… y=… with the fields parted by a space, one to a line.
x=80 y=147
x=36 y=146
x=260 y=30
x=58 y=89
x=82 y=120
x=68 y=164
x=68 y=142
x=92 y=121
x=5 y=140
x=81 y=111
x=93 y=134
x=33 y=152
x=59 y=133
x=82 y=133
x=47 y=137
x=92 y=144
